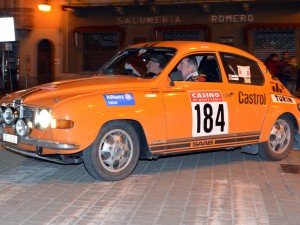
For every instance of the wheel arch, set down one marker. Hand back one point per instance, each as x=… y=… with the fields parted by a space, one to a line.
x=144 y=147
x=293 y=119
x=268 y=126
x=281 y=139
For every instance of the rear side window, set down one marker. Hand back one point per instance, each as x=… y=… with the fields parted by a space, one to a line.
x=241 y=70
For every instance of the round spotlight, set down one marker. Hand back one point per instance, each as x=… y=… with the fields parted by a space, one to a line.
x=23 y=127
x=10 y=115
x=2 y=109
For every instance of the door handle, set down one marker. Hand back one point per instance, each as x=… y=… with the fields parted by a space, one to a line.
x=228 y=94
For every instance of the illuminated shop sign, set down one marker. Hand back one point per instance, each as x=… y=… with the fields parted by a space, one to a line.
x=231 y=18
x=148 y=20
x=7 y=29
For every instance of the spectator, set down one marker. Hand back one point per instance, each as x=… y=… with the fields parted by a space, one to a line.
x=284 y=60
x=290 y=73
x=272 y=63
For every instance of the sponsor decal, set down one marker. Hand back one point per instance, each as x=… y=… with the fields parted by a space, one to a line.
x=233 y=77
x=50 y=87
x=150 y=95
x=278 y=88
x=159 y=142
x=122 y=99
x=209 y=113
x=206 y=96
x=202 y=143
x=252 y=98
x=173 y=91
x=244 y=72
x=283 y=99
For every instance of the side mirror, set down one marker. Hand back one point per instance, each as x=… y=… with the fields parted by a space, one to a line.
x=176 y=76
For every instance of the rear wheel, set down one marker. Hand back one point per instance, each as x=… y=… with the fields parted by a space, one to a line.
x=280 y=142
x=115 y=152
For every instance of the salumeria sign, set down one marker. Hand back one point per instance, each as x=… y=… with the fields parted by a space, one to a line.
x=148 y=19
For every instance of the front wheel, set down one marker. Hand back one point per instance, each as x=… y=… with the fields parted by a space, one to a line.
x=115 y=152
x=280 y=142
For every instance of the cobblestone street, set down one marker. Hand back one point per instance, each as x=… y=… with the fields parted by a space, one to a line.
x=225 y=187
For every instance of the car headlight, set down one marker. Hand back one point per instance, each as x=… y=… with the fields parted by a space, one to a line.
x=10 y=115
x=23 y=127
x=42 y=118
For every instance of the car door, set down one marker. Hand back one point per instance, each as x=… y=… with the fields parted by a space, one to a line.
x=249 y=91
x=200 y=115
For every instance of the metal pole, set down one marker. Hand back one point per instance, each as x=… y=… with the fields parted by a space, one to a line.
x=3 y=66
x=9 y=72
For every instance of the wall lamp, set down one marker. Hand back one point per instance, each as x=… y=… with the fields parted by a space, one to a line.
x=44 y=7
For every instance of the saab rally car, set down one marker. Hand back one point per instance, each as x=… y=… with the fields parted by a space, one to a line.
x=122 y=114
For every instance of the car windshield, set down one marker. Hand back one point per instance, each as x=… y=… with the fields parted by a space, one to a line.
x=139 y=62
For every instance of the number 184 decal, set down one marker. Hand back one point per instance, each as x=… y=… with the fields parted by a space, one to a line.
x=209 y=113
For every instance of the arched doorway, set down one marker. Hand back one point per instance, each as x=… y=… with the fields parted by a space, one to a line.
x=45 y=62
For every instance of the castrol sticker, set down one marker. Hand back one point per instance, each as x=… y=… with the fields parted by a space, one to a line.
x=209 y=113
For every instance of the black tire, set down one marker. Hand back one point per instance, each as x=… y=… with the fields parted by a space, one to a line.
x=115 y=152
x=280 y=142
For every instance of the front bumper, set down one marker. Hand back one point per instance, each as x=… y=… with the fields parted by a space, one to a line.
x=36 y=146
x=43 y=143
x=52 y=158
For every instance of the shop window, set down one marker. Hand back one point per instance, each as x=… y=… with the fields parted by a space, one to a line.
x=99 y=47
x=267 y=42
x=100 y=41
x=192 y=32
x=184 y=35
x=241 y=70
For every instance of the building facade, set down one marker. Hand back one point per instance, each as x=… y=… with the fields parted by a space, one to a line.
x=34 y=56
x=77 y=37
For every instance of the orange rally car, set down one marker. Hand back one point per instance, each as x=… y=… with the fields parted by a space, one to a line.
x=129 y=110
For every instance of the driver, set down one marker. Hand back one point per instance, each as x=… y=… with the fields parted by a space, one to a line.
x=155 y=64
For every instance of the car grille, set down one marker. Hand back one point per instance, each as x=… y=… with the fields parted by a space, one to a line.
x=27 y=113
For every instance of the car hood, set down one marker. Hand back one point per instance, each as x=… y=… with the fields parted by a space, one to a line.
x=49 y=93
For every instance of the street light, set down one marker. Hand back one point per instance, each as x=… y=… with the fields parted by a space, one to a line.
x=44 y=7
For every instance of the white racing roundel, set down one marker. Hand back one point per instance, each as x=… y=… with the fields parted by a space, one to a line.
x=209 y=113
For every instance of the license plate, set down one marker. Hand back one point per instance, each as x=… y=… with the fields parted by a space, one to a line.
x=10 y=138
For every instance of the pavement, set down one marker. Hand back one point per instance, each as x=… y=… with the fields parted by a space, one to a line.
x=213 y=188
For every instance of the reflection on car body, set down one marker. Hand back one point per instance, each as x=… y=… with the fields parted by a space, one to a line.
x=111 y=120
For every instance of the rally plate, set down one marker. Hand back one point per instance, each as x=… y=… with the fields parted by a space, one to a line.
x=10 y=138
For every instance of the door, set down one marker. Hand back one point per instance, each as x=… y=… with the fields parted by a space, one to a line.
x=45 y=62
x=200 y=115
x=247 y=83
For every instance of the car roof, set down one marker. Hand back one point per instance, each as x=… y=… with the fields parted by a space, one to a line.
x=186 y=47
